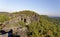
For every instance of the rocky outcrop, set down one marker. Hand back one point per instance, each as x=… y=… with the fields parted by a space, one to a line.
x=16 y=27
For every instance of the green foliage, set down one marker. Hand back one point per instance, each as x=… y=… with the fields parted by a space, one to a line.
x=43 y=28
x=22 y=23
x=26 y=12
x=3 y=18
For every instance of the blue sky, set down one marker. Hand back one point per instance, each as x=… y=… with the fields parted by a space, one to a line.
x=45 y=7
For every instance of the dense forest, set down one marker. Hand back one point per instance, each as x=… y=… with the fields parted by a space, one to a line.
x=45 y=27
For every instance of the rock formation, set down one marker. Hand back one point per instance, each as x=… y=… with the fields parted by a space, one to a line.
x=16 y=27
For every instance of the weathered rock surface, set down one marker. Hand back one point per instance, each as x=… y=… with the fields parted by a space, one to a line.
x=16 y=27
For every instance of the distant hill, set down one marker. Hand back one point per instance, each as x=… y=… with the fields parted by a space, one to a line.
x=57 y=17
